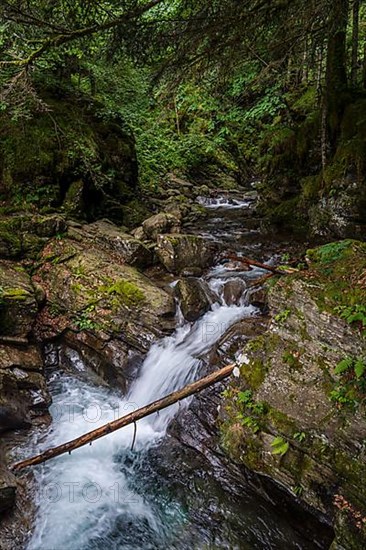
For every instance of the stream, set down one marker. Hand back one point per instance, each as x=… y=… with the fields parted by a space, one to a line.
x=152 y=489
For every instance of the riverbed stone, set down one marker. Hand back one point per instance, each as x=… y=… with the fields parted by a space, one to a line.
x=178 y=252
x=195 y=297
x=233 y=291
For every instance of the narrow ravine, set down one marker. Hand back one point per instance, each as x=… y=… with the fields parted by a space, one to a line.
x=109 y=495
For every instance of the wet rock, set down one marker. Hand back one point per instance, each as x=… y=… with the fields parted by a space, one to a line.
x=7 y=491
x=258 y=297
x=192 y=272
x=108 y=358
x=13 y=410
x=23 y=387
x=159 y=224
x=18 y=305
x=27 y=358
x=177 y=252
x=195 y=297
x=233 y=291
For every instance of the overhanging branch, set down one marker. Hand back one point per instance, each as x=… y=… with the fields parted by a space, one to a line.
x=64 y=38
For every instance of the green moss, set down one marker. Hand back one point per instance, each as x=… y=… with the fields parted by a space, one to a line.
x=283 y=423
x=334 y=252
x=18 y=294
x=336 y=275
x=310 y=187
x=254 y=373
x=127 y=293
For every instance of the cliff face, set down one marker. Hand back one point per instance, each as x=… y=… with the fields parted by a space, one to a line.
x=297 y=412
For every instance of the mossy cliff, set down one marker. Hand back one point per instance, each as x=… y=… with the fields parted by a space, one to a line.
x=69 y=154
x=299 y=195
x=297 y=412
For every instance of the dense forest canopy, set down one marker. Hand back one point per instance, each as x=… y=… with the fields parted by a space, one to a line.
x=243 y=87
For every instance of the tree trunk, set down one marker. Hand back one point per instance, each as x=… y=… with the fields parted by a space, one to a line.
x=336 y=75
x=154 y=407
x=355 y=38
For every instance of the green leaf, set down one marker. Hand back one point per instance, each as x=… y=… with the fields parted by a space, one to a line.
x=360 y=368
x=279 y=446
x=343 y=365
x=245 y=396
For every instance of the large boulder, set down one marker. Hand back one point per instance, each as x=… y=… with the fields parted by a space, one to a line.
x=105 y=308
x=163 y=222
x=179 y=252
x=195 y=297
x=111 y=238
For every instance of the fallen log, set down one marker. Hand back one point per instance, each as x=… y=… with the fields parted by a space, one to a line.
x=158 y=405
x=250 y=262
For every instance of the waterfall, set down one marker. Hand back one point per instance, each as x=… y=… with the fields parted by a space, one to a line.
x=84 y=496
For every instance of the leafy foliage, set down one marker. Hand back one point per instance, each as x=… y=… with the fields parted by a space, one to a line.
x=351 y=389
x=280 y=446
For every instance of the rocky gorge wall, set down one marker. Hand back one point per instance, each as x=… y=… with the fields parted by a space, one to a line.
x=297 y=412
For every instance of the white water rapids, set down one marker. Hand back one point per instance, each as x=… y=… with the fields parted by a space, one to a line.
x=82 y=497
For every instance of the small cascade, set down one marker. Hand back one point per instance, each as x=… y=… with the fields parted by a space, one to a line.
x=223 y=202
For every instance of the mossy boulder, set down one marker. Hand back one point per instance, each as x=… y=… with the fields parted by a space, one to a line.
x=18 y=305
x=104 y=307
x=113 y=239
x=179 y=252
x=24 y=235
x=292 y=415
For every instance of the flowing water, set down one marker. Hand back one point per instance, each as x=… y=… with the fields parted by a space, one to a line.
x=112 y=496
